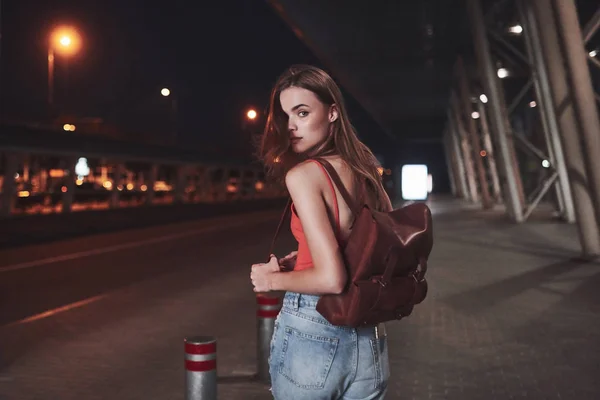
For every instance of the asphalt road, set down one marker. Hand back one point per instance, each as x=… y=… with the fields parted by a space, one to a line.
x=512 y=312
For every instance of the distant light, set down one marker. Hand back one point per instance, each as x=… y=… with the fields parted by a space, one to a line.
x=69 y=127
x=82 y=168
x=483 y=98
x=516 y=29
x=107 y=185
x=593 y=53
x=79 y=182
x=546 y=164
x=63 y=189
x=415 y=182
x=251 y=114
x=475 y=115
x=143 y=188
x=56 y=173
x=502 y=73
x=165 y=92
x=129 y=186
x=24 y=193
x=65 y=41
x=532 y=104
x=483 y=153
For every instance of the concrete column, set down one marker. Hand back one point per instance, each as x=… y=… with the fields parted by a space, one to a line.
x=500 y=126
x=152 y=176
x=117 y=181
x=467 y=155
x=180 y=183
x=450 y=164
x=582 y=92
x=9 y=186
x=464 y=94
x=587 y=221
x=489 y=149
x=457 y=153
x=69 y=196
x=43 y=180
x=207 y=184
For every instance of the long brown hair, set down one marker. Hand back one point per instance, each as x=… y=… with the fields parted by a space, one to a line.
x=275 y=150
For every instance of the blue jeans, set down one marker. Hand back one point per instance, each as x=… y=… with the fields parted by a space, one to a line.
x=312 y=359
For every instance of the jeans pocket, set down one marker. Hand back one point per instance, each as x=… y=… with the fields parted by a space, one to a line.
x=380 y=361
x=306 y=358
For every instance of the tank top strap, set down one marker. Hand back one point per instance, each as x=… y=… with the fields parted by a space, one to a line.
x=335 y=201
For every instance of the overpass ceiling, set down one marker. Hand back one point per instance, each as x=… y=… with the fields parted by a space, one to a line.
x=395 y=57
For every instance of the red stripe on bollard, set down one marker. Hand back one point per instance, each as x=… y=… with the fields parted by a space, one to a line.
x=200 y=366
x=206 y=348
x=267 y=313
x=267 y=301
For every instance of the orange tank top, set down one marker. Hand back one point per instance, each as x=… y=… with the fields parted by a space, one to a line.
x=303 y=258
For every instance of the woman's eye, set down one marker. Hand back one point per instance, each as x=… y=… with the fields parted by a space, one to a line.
x=303 y=113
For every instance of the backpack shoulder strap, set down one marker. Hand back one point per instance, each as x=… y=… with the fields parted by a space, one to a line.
x=353 y=205
x=286 y=211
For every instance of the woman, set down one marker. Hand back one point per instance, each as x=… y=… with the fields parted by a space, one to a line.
x=311 y=358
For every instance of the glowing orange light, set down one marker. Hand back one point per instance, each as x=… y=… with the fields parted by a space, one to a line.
x=63 y=189
x=65 y=40
x=483 y=153
x=251 y=114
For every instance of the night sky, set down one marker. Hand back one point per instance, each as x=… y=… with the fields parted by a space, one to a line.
x=218 y=58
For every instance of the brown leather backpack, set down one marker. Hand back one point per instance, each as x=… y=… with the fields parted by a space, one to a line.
x=386 y=258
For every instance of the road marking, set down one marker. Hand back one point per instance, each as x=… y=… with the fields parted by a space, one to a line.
x=58 y=310
x=110 y=249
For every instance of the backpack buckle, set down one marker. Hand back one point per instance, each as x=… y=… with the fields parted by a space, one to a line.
x=380 y=281
x=418 y=276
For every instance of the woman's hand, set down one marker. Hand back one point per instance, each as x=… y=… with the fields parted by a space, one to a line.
x=261 y=274
x=288 y=262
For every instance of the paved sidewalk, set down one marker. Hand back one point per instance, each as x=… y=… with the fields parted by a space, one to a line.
x=511 y=314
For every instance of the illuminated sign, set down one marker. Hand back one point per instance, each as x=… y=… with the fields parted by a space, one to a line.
x=415 y=182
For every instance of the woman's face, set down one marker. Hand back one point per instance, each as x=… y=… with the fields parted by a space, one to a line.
x=308 y=118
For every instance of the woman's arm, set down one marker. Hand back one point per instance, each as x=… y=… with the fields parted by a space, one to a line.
x=305 y=184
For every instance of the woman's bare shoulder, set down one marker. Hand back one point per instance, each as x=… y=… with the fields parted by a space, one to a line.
x=305 y=174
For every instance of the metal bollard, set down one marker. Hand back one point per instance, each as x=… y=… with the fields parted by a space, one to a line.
x=268 y=308
x=201 y=368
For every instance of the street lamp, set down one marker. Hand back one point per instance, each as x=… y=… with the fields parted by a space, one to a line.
x=251 y=114
x=66 y=41
x=166 y=92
